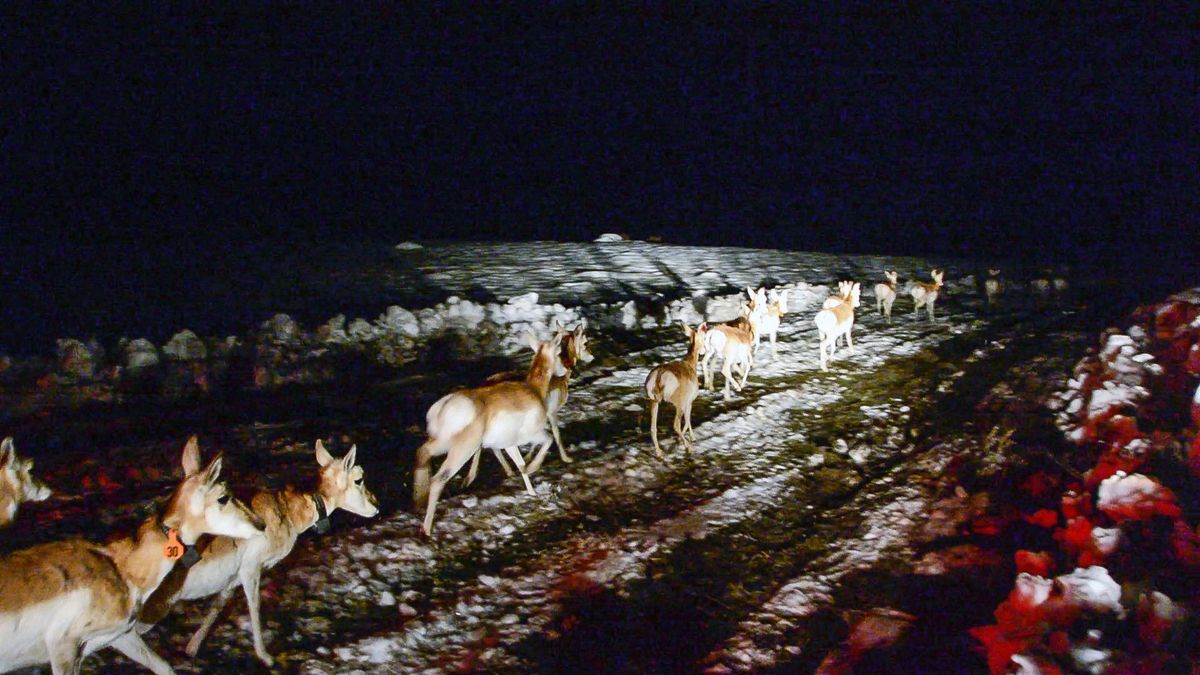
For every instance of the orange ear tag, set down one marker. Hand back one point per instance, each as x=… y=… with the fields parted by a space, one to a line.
x=173 y=550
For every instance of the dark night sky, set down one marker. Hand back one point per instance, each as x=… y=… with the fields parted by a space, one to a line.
x=981 y=131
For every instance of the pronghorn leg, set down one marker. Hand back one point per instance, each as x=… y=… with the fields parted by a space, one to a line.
x=515 y=454
x=706 y=366
x=503 y=462
x=677 y=426
x=455 y=459
x=562 y=450
x=930 y=306
x=250 y=578
x=654 y=427
x=474 y=468
x=745 y=374
x=214 y=611
x=131 y=645
x=821 y=352
x=66 y=656
x=687 y=420
x=726 y=370
x=849 y=339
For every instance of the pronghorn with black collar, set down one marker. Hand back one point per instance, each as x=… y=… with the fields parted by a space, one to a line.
x=64 y=600
x=227 y=563
x=925 y=294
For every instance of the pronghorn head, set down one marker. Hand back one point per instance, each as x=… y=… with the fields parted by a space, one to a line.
x=576 y=347
x=855 y=291
x=16 y=476
x=993 y=272
x=844 y=288
x=696 y=336
x=546 y=354
x=937 y=277
x=202 y=503
x=342 y=483
x=780 y=298
x=893 y=277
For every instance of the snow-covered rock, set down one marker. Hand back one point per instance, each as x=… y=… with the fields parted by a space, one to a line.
x=1091 y=588
x=140 y=353
x=185 y=346
x=609 y=237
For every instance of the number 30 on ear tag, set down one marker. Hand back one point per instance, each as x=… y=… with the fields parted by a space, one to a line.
x=173 y=550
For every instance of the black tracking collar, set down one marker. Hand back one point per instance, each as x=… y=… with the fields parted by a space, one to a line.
x=322 y=524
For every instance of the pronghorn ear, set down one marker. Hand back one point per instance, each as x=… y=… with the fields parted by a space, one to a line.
x=6 y=453
x=750 y=292
x=703 y=327
x=555 y=326
x=686 y=330
x=532 y=340
x=323 y=456
x=581 y=327
x=191 y=457
x=348 y=460
x=213 y=472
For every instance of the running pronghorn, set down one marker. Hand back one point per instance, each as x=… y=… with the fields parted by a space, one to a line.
x=885 y=295
x=64 y=600
x=833 y=322
x=500 y=416
x=17 y=483
x=925 y=294
x=766 y=313
x=733 y=341
x=573 y=350
x=227 y=563
x=992 y=287
x=678 y=383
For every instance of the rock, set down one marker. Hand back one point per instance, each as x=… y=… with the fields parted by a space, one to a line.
x=140 y=353
x=333 y=330
x=185 y=346
x=409 y=246
x=281 y=329
x=361 y=330
x=609 y=237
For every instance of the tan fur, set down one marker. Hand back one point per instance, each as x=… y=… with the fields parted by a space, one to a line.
x=504 y=416
x=102 y=586
x=836 y=321
x=17 y=483
x=678 y=383
x=286 y=513
x=734 y=343
x=885 y=294
x=926 y=294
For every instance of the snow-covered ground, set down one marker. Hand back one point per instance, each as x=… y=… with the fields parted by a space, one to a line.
x=831 y=468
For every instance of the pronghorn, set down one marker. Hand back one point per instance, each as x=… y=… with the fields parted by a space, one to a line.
x=17 y=483
x=766 y=315
x=64 y=600
x=573 y=350
x=925 y=294
x=734 y=343
x=227 y=563
x=678 y=383
x=992 y=286
x=885 y=295
x=835 y=321
x=500 y=416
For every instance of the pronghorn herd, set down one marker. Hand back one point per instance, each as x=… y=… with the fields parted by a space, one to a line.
x=63 y=600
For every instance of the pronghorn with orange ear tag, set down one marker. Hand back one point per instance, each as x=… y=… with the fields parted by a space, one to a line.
x=677 y=383
x=925 y=294
x=61 y=601
x=17 y=483
x=500 y=416
x=834 y=322
x=227 y=563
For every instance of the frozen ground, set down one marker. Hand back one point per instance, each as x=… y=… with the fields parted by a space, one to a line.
x=800 y=487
